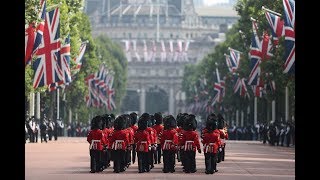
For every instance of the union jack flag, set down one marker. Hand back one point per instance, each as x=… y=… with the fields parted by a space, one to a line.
x=289 y=31
x=29 y=42
x=33 y=39
x=237 y=85
x=235 y=59
x=228 y=62
x=270 y=85
x=254 y=56
x=276 y=26
x=217 y=89
x=244 y=91
x=64 y=65
x=79 y=58
x=257 y=91
x=223 y=89
x=46 y=67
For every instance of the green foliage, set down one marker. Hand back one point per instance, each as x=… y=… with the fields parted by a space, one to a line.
x=76 y=23
x=241 y=42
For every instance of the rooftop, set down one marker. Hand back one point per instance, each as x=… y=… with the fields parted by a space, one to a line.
x=220 y=11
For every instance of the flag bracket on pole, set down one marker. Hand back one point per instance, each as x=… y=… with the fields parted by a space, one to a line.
x=266 y=9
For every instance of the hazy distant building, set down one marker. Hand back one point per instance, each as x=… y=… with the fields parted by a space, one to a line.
x=159 y=33
x=198 y=3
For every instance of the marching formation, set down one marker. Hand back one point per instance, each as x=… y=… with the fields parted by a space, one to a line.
x=155 y=139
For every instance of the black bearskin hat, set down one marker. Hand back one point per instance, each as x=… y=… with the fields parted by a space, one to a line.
x=119 y=123
x=96 y=122
x=143 y=121
x=190 y=123
x=128 y=120
x=211 y=123
x=169 y=122
x=180 y=119
x=108 y=122
x=104 y=122
x=158 y=118
x=134 y=118
x=220 y=121
x=151 y=121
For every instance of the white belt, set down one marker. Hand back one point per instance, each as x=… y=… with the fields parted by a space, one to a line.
x=167 y=144
x=93 y=144
x=117 y=144
x=187 y=145
x=141 y=147
x=207 y=146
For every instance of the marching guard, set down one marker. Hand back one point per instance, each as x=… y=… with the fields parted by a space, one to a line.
x=190 y=143
x=96 y=140
x=159 y=128
x=169 y=143
x=119 y=142
x=143 y=143
x=210 y=141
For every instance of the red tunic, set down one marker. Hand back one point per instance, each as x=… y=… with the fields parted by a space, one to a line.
x=153 y=135
x=142 y=140
x=180 y=133
x=119 y=140
x=203 y=131
x=190 y=141
x=131 y=134
x=106 y=133
x=209 y=142
x=223 y=136
x=135 y=128
x=218 y=133
x=159 y=129
x=96 y=139
x=169 y=139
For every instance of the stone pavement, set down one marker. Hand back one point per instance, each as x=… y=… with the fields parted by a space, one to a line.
x=68 y=159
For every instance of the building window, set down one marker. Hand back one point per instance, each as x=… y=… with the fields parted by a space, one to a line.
x=187 y=35
x=129 y=35
x=191 y=35
x=124 y=34
x=171 y=35
x=145 y=35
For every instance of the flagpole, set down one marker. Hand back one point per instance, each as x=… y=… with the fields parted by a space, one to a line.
x=255 y=110
x=58 y=102
x=252 y=19
x=31 y=104
x=237 y=117
x=70 y=115
x=242 y=118
x=263 y=8
x=287 y=103
x=273 y=110
x=53 y=6
x=229 y=48
x=38 y=106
